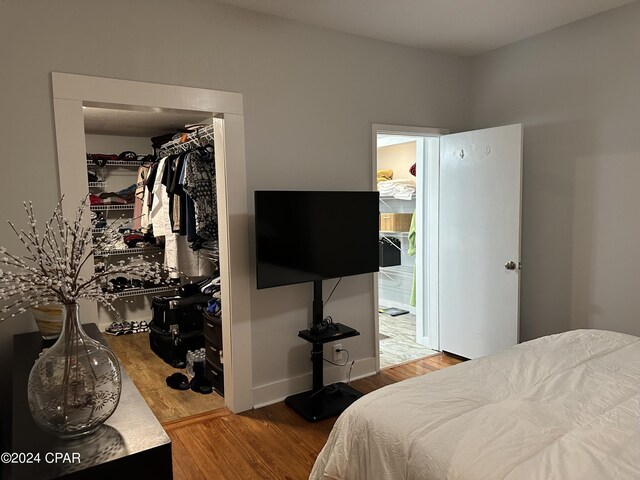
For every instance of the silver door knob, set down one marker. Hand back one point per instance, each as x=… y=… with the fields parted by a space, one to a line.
x=510 y=265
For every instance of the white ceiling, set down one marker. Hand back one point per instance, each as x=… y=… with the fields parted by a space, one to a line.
x=135 y=123
x=461 y=27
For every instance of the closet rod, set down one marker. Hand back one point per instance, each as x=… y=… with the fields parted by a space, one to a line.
x=187 y=141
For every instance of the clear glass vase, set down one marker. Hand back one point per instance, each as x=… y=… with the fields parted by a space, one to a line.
x=74 y=387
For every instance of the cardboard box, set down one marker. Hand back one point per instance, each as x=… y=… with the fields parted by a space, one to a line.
x=395 y=222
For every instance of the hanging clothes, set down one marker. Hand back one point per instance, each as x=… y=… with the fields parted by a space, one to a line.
x=190 y=211
x=159 y=214
x=139 y=212
x=184 y=206
x=175 y=189
x=200 y=185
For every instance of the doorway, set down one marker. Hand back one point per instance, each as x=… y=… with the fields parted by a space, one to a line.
x=73 y=92
x=471 y=211
x=406 y=170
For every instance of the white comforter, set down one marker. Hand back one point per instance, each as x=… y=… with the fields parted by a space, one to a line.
x=564 y=407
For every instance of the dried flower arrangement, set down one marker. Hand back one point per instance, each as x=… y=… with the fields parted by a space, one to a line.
x=50 y=271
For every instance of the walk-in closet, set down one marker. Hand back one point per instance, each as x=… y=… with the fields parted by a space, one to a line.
x=151 y=189
x=162 y=172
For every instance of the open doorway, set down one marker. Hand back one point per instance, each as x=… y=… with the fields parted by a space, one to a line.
x=456 y=227
x=120 y=116
x=404 y=162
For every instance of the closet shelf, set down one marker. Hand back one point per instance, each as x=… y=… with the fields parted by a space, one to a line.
x=115 y=163
x=127 y=251
x=132 y=292
x=97 y=184
x=196 y=137
x=99 y=231
x=125 y=206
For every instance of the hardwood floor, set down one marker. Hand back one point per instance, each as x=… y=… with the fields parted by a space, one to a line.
x=272 y=442
x=149 y=372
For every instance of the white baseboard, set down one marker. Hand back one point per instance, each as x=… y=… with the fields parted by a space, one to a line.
x=270 y=393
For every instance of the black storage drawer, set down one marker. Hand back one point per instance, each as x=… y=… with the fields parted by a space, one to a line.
x=389 y=252
x=186 y=312
x=214 y=356
x=216 y=377
x=213 y=329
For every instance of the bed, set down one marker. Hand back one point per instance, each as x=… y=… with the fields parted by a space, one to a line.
x=565 y=406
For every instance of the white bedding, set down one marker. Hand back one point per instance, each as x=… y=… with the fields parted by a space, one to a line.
x=564 y=407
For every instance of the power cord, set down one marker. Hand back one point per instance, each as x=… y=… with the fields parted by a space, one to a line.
x=333 y=290
x=339 y=364
x=326 y=321
x=349 y=377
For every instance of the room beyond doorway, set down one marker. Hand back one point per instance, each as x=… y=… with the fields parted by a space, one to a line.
x=406 y=174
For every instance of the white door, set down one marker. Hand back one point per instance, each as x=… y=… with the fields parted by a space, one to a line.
x=480 y=200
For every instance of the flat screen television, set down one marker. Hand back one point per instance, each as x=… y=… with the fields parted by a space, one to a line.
x=304 y=236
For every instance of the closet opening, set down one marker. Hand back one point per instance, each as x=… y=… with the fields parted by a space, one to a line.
x=405 y=166
x=136 y=165
x=156 y=164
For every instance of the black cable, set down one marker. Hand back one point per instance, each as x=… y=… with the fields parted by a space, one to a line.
x=333 y=290
x=339 y=364
x=349 y=377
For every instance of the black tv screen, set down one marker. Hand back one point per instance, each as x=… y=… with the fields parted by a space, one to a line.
x=302 y=236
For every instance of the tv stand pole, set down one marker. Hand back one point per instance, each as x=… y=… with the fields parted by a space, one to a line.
x=322 y=401
x=317 y=350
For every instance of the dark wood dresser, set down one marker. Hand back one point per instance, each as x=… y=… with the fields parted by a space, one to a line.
x=213 y=346
x=131 y=444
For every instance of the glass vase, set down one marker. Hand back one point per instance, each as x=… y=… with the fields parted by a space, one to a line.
x=74 y=387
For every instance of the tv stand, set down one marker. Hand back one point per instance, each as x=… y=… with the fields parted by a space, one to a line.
x=323 y=401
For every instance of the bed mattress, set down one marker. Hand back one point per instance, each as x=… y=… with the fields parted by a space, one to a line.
x=565 y=406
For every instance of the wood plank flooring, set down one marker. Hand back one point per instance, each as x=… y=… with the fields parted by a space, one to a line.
x=149 y=372
x=272 y=442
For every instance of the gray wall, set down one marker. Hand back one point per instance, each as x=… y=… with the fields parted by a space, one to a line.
x=576 y=90
x=310 y=97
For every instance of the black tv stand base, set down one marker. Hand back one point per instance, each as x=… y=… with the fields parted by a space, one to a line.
x=329 y=401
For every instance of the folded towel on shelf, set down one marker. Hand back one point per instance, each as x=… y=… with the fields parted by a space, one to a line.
x=403 y=189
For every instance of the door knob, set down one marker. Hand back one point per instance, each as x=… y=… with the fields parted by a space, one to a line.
x=510 y=265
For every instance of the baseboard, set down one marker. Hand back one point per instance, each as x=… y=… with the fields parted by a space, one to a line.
x=275 y=392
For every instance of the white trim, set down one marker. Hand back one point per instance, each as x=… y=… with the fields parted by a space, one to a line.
x=70 y=92
x=422 y=256
x=141 y=95
x=275 y=392
x=408 y=130
x=431 y=274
